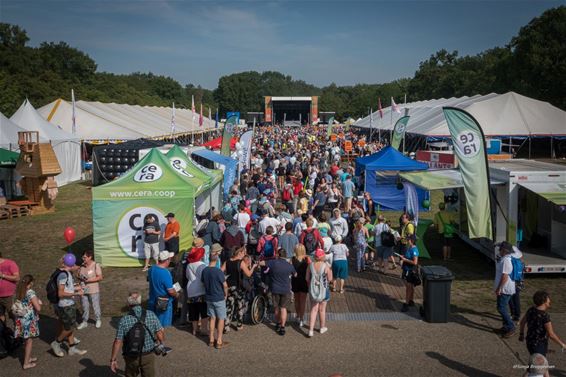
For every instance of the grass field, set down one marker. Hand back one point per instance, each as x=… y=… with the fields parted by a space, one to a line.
x=36 y=243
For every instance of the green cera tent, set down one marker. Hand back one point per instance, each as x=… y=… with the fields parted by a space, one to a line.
x=212 y=196
x=119 y=207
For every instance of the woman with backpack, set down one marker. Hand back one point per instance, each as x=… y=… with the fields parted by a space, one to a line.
x=27 y=306
x=319 y=276
x=287 y=196
x=310 y=237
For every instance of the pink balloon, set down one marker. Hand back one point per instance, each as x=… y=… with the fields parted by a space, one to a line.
x=69 y=235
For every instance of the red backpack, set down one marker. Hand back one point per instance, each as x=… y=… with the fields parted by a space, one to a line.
x=286 y=194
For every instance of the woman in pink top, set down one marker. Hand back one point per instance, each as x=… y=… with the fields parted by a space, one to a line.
x=9 y=276
x=90 y=274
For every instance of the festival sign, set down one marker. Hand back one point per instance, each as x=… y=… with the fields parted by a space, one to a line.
x=228 y=133
x=469 y=146
x=348 y=146
x=333 y=137
x=119 y=208
x=246 y=143
x=361 y=143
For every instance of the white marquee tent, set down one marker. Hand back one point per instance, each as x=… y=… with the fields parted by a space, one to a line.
x=96 y=121
x=508 y=114
x=66 y=146
x=9 y=134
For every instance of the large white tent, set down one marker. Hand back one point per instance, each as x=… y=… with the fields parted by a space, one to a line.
x=508 y=114
x=67 y=147
x=96 y=121
x=9 y=134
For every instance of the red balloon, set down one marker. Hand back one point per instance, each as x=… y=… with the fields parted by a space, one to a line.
x=69 y=235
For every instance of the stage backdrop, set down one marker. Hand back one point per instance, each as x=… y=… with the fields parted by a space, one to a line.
x=119 y=207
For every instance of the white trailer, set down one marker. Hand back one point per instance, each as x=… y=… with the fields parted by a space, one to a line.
x=531 y=198
x=533 y=205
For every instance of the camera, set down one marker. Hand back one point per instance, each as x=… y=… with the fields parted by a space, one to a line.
x=161 y=350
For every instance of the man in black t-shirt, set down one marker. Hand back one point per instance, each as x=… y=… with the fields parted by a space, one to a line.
x=151 y=231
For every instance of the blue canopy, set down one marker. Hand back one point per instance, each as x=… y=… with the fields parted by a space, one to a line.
x=380 y=170
x=388 y=158
x=230 y=164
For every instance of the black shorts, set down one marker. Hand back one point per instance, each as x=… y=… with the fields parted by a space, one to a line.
x=281 y=301
x=448 y=241
x=405 y=274
x=68 y=316
x=197 y=309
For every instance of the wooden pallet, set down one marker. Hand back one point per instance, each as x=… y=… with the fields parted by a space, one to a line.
x=4 y=215
x=15 y=211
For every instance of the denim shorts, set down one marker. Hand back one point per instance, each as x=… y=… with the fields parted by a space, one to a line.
x=216 y=309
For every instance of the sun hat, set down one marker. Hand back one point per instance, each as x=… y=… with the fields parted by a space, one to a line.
x=319 y=254
x=164 y=255
x=309 y=192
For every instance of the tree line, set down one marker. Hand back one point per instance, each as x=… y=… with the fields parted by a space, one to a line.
x=533 y=63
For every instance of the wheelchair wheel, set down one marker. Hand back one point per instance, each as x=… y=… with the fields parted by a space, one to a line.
x=257 y=310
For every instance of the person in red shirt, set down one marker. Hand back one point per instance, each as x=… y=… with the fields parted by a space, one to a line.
x=9 y=277
x=171 y=236
x=297 y=188
x=311 y=242
x=267 y=244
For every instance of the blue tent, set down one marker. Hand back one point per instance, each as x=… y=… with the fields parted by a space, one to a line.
x=230 y=164
x=381 y=170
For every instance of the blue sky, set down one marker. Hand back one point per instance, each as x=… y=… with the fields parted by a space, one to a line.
x=321 y=42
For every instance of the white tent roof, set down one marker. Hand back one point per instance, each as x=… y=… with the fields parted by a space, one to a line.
x=508 y=114
x=66 y=146
x=111 y=121
x=9 y=134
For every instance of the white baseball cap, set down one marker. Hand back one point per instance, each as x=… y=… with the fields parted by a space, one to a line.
x=164 y=255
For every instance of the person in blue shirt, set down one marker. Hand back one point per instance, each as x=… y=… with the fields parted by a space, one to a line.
x=348 y=192
x=409 y=263
x=161 y=289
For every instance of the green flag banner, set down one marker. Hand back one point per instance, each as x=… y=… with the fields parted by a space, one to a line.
x=329 y=128
x=469 y=146
x=399 y=131
x=227 y=135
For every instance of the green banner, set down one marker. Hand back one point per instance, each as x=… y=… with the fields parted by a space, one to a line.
x=469 y=146
x=399 y=131
x=329 y=128
x=227 y=135
x=152 y=186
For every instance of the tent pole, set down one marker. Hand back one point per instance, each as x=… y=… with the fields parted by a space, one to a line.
x=551 y=148
x=529 y=146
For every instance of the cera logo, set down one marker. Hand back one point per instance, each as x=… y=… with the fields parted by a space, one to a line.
x=148 y=173
x=401 y=128
x=468 y=144
x=179 y=165
x=130 y=230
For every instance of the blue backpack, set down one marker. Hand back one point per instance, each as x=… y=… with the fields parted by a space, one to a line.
x=268 y=251
x=518 y=268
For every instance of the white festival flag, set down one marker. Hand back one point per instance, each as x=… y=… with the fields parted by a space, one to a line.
x=246 y=143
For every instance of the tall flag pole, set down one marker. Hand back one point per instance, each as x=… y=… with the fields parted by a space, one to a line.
x=380 y=116
x=173 y=125
x=399 y=131
x=209 y=113
x=200 y=119
x=469 y=145
x=395 y=107
x=216 y=119
x=193 y=123
x=370 y=125
x=74 y=118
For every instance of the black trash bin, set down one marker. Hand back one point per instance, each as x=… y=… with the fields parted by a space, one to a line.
x=436 y=293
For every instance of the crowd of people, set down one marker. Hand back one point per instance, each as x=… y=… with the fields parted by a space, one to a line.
x=290 y=225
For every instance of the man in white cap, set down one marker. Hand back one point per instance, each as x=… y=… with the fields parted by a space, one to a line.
x=161 y=290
